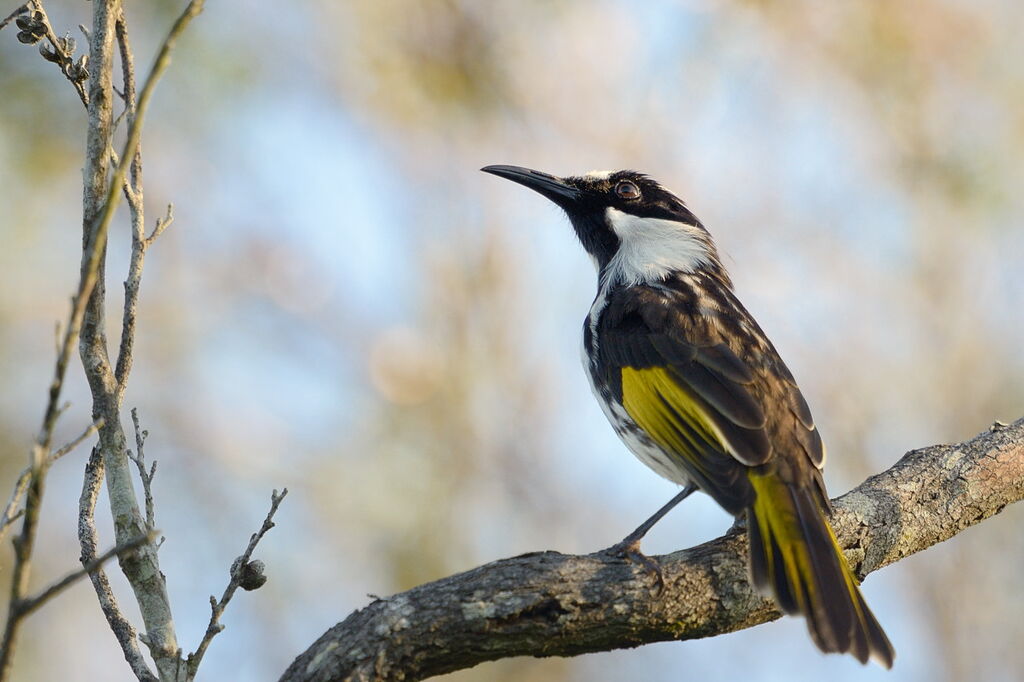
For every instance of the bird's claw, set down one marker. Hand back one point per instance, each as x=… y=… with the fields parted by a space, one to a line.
x=630 y=551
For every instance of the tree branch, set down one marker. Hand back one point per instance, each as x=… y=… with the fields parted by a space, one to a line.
x=133 y=194
x=91 y=272
x=551 y=604
x=17 y=12
x=122 y=628
x=36 y=26
x=12 y=513
x=106 y=384
x=29 y=605
x=245 y=574
x=145 y=476
x=86 y=323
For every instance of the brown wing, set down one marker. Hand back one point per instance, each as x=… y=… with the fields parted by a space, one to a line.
x=693 y=394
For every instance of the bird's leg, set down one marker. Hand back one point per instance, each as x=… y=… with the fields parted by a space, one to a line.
x=629 y=546
x=632 y=541
x=739 y=524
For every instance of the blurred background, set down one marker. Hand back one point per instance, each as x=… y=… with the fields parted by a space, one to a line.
x=346 y=307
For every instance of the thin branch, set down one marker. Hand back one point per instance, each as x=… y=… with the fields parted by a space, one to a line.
x=19 y=489
x=61 y=51
x=163 y=60
x=136 y=206
x=129 y=157
x=161 y=225
x=146 y=476
x=27 y=606
x=101 y=199
x=85 y=323
x=245 y=574
x=24 y=544
x=551 y=604
x=40 y=449
x=128 y=94
x=10 y=17
x=92 y=264
x=31 y=481
x=33 y=486
x=91 y=429
x=13 y=512
x=123 y=630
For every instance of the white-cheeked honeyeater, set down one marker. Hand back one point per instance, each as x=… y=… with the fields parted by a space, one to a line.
x=697 y=391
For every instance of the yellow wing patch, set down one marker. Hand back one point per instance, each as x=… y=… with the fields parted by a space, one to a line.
x=669 y=415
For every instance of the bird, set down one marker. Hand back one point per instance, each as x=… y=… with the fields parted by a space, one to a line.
x=696 y=390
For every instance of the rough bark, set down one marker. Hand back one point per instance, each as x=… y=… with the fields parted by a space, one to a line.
x=551 y=604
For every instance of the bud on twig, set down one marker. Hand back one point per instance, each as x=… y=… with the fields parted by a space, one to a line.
x=68 y=44
x=253 y=577
x=78 y=71
x=32 y=26
x=249 y=576
x=48 y=53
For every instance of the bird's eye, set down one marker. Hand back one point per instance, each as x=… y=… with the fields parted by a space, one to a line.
x=627 y=190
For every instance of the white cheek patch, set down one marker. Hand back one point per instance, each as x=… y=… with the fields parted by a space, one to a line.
x=652 y=248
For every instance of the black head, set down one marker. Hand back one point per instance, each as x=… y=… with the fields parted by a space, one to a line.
x=606 y=208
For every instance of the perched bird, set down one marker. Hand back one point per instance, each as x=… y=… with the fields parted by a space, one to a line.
x=699 y=394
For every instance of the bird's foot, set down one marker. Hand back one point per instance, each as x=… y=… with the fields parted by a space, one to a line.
x=739 y=525
x=629 y=549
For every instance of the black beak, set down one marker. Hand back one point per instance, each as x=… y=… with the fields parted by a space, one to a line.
x=555 y=189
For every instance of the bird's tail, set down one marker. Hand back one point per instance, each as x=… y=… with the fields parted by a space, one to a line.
x=794 y=557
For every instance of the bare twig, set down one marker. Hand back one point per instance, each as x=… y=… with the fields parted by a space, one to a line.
x=161 y=225
x=85 y=323
x=140 y=462
x=23 y=545
x=551 y=604
x=127 y=94
x=163 y=59
x=27 y=606
x=91 y=429
x=38 y=462
x=245 y=574
x=41 y=448
x=133 y=193
x=13 y=511
x=61 y=50
x=123 y=630
x=10 y=17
